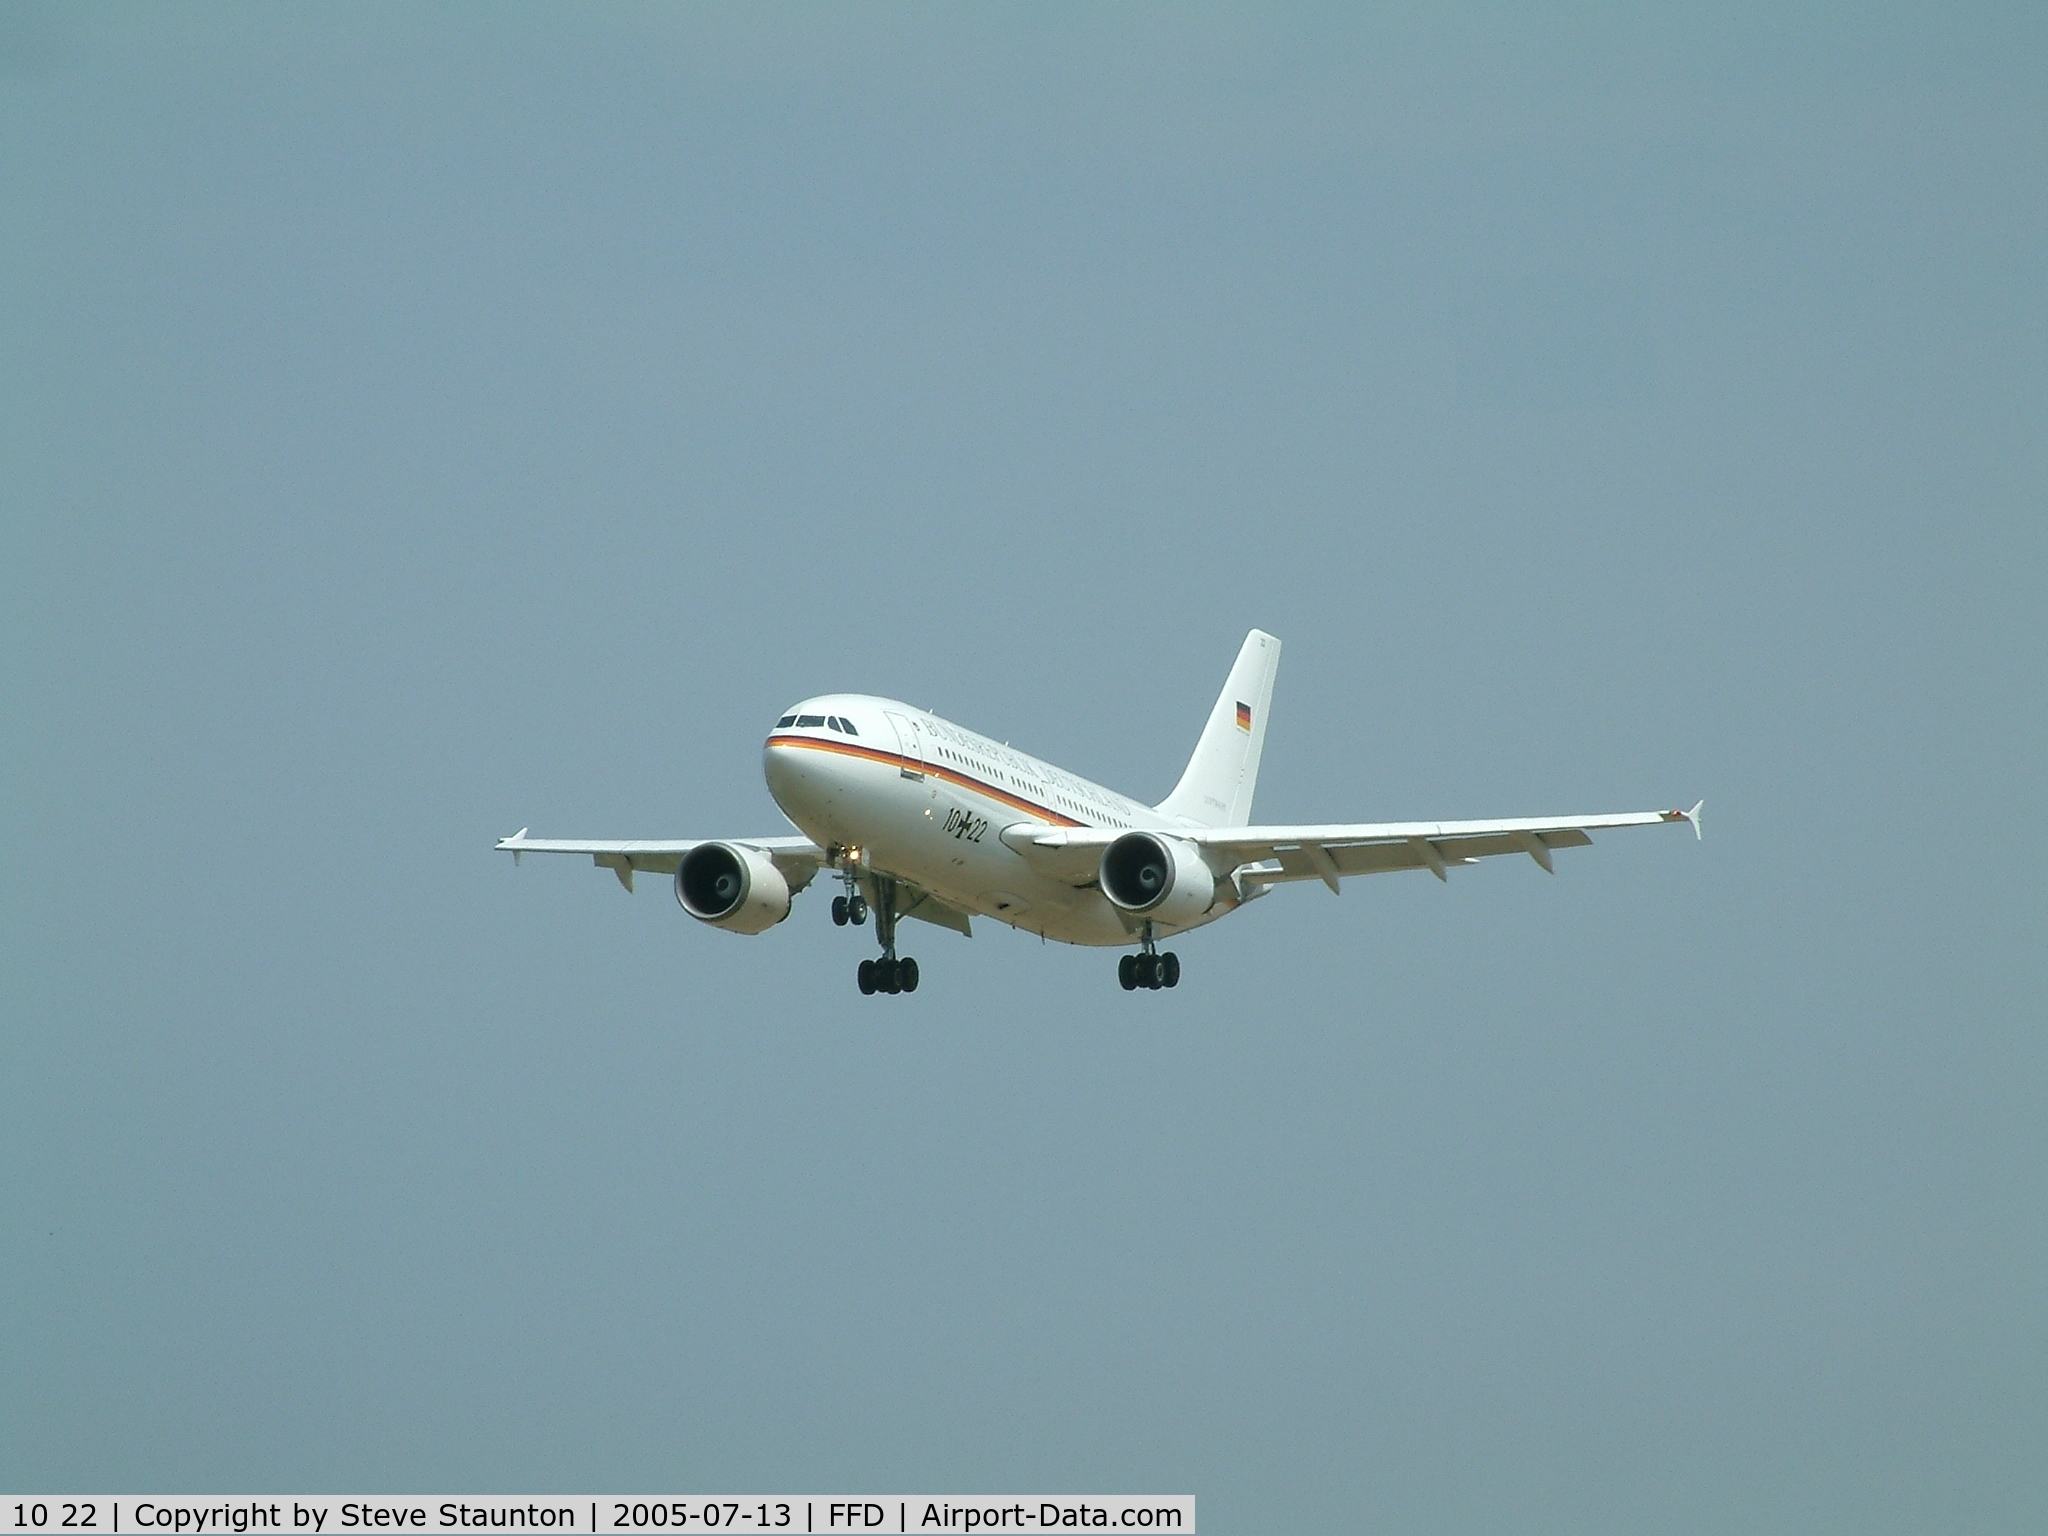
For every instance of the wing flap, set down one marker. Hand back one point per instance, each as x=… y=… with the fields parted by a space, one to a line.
x=1071 y=855
x=915 y=901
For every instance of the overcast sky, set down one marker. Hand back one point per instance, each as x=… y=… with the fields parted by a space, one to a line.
x=419 y=422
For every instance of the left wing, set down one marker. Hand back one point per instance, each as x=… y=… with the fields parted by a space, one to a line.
x=1259 y=856
x=796 y=858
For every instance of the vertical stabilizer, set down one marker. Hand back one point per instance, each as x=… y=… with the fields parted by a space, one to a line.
x=1216 y=790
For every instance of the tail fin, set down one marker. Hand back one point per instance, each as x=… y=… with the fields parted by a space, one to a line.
x=1216 y=790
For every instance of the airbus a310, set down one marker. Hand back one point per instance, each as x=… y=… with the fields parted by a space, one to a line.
x=914 y=816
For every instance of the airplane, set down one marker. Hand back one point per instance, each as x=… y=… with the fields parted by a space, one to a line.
x=918 y=817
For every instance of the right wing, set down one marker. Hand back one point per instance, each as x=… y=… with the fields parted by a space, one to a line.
x=1269 y=855
x=1256 y=856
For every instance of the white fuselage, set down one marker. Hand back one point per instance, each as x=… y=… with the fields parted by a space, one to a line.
x=922 y=818
x=907 y=794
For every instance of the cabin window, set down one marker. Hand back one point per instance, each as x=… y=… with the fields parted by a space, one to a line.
x=803 y=720
x=785 y=722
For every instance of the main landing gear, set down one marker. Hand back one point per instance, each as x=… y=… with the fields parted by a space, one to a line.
x=887 y=974
x=1149 y=968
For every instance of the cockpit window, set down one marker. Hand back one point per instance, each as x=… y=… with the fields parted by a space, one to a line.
x=803 y=720
x=846 y=725
x=785 y=722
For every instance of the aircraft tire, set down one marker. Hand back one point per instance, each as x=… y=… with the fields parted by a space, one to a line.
x=856 y=910
x=1127 y=972
x=838 y=911
x=1169 y=969
x=1147 y=970
x=866 y=975
x=888 y=976
x=906 y=974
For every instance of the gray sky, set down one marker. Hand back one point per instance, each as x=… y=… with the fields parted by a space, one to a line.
x=420 y=423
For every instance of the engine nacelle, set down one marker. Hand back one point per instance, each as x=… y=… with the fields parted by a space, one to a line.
x=731 y=887
x=1162 y=877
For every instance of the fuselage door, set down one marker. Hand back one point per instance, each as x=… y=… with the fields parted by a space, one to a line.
x=910 y=742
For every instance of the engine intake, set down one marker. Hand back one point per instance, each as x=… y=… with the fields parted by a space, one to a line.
x=1162 y=877
x=732 y=887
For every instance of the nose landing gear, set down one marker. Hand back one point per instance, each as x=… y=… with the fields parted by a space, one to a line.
x=1148 y=968
x=852 y=907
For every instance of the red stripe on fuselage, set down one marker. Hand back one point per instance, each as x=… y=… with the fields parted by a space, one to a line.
x=938 y=770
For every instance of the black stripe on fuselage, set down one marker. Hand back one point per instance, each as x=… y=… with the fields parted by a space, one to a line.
x=937 y=770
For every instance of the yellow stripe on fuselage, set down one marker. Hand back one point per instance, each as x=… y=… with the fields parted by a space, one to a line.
x=937 y=770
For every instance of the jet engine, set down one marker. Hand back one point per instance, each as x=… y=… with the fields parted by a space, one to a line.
x=732 y=887
x=1161 y=877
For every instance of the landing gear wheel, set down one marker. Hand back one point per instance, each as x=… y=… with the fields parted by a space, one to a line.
x=866 y=975
x=906 y=974
x=838 y=911
x=1148 y=971
x=1169 y=969
x=856 y=910
x=1127 y=972
x=888 y=976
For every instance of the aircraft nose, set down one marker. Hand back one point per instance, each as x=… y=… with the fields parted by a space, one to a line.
x=791 y=773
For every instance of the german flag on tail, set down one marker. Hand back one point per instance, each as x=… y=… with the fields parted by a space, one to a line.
x=1244 y=717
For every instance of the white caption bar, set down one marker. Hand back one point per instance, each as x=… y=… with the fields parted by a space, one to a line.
x=127 y=1514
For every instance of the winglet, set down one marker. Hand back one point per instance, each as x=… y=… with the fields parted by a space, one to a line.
x=513 y=842
x=1693 y=816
